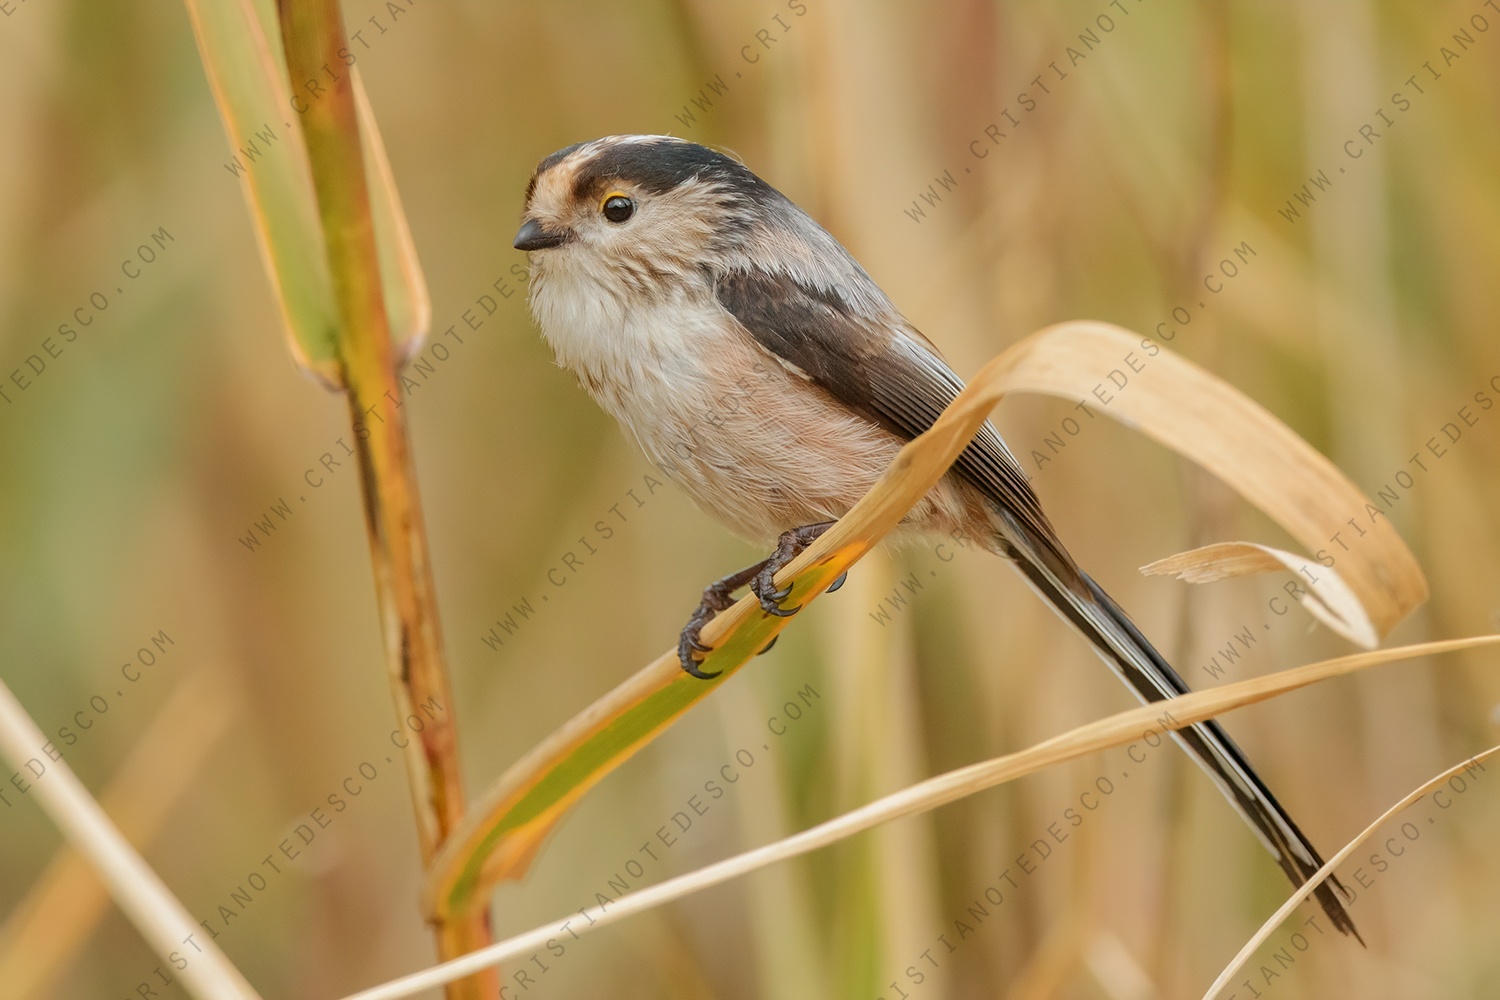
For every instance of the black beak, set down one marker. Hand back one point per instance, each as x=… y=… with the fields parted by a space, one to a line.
x=533 y=236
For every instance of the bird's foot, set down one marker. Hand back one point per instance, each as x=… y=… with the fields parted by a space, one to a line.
x=716 y=597
x=762 y=580
x=788 y=547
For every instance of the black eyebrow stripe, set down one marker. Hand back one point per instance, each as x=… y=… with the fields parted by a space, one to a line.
x=661 y=165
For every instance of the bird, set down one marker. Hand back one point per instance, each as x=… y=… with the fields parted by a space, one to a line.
x=764 y=372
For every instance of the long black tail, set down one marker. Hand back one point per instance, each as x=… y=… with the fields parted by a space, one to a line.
x=1085 y=605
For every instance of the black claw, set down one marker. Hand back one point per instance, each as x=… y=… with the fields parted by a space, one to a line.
x=687 y=644
x=764 y=584
x=691 y=667
x=763 y=652
x=839 y=582
x=770 y=603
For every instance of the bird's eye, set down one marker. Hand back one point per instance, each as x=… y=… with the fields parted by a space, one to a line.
x=617 y=208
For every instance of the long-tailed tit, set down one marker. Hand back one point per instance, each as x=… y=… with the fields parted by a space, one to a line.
x=675 y=284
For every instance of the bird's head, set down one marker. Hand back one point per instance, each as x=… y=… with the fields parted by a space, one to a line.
x=638 y=210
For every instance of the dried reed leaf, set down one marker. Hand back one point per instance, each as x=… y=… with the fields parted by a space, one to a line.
x=1186 y=408
x=1321 y=590
x=1307 y=889
x=1113 y=731
x=1203 y=418
x=1218 y=561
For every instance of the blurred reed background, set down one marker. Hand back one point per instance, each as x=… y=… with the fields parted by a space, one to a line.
x=141 y=450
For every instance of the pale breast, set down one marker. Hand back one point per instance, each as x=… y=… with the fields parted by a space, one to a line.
x=753 y=442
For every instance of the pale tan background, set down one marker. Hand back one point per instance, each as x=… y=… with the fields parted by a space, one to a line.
x=136 y=461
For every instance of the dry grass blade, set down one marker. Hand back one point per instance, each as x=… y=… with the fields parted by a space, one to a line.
x=1323 y=591
x=1116 y=730
x=163 y=921
x=46 y=929
x=1274 y=921
x=1186 y=408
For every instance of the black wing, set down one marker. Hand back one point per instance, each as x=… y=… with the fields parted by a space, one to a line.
x=895 y=381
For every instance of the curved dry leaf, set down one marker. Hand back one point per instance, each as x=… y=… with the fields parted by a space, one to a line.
x=1168 y=398
x=1215 y=562
x=1113 y=731
x=1321 y=590
x=1209 y=421
x=1311 y=884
